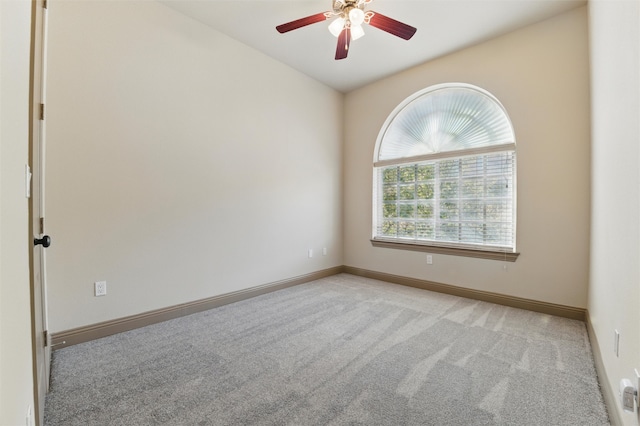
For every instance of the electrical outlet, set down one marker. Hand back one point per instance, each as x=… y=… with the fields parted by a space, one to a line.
x=100 y=288
x=628 y=395
x=324 y=251
x=429 y=259
x=310 y=253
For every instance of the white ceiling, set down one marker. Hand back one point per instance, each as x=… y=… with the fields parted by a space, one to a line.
x=443 y=26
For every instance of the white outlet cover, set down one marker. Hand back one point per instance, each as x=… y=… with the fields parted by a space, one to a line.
x=100 y=288
x=627 y=396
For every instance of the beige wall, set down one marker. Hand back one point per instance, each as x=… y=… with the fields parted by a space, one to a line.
x=614 y=291
x=165 y=213
x=181 y=164
x=540 y=74
x=16 y=379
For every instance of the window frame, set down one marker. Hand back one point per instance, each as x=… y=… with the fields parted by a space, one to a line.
x=468 y=249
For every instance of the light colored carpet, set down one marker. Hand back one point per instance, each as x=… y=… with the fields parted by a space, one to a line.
x=343 y=350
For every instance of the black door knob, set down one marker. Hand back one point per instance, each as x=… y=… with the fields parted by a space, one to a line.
x=45 y=241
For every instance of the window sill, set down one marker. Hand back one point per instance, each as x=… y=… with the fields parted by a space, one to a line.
x=481 y=254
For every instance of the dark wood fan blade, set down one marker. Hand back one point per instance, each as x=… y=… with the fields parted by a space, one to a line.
x=302 y=22
x=392 y=26
x=344 y=39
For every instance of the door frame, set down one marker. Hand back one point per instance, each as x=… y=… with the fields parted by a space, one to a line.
x=41 y=348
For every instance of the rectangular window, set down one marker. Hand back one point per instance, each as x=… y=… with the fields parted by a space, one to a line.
x=463 y=202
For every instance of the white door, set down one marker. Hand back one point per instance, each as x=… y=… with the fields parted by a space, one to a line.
x=42 y=348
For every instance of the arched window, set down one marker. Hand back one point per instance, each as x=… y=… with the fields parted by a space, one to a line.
x=445 y=175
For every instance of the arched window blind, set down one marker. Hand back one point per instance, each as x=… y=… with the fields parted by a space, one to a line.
x=445 y=172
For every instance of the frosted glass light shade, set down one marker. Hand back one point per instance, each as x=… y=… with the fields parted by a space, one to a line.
x=444 y=118
x=356 y=32
x=336 y=27
x=356 y=16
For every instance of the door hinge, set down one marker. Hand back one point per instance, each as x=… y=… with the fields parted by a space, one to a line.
x=41 y=111
x=46 y=338
x=44 y=4
x=42 y=225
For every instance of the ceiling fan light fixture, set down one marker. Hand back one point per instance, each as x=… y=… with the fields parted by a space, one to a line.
x=356 y=16
x=356 y=32
x=336 y=26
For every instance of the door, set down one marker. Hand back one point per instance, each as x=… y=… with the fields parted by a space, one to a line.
x=40 y=339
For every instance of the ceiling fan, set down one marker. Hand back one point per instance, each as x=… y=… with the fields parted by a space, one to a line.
x=348 y=26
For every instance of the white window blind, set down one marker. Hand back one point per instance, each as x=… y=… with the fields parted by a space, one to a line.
x=444 y=119
x=445 y=171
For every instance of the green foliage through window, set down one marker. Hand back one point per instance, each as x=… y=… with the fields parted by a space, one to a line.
x=460 y=200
